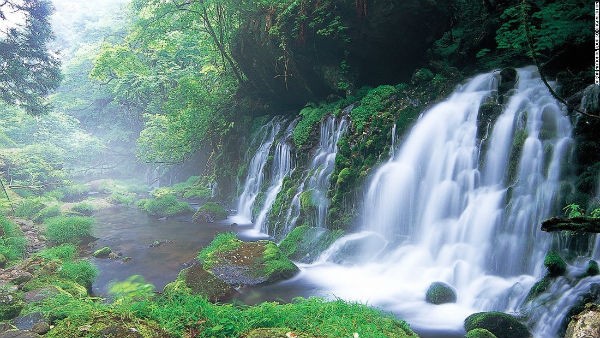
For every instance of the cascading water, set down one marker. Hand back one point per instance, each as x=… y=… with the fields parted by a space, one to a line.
x=282 y=167
x=255 y=175
x=449 y=209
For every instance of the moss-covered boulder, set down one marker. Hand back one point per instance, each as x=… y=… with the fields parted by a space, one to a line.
x=209 y=213
x=246 y=263
x=538 y=288
x=275 y=333
x=592 y=269
x=440 y=293
x=480 y=333
x=585 y=324
x=305 y=244
x=198 y=281
x=555 y=265
x=500 y=324
x=11 y=303
x=102 y=252
x=109 y=325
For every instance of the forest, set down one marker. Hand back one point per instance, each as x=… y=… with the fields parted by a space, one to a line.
x=299 y=168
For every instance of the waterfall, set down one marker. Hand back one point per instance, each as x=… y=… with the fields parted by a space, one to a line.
x=282 y=166
x=255 y=176
x=452 y=208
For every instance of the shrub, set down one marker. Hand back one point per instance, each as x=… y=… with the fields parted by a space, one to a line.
x=64 y=252
x=62 y=229
x=166 y=205
x=122 y=197
x=12 y=242
x=82 y=272
x=47 y=212
x=29 y=207
x=83 y=208
x=74 y=192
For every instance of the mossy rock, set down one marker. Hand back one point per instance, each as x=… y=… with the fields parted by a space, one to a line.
x=508 y=80
x=555 y=265
x=3 y=261
x=440 y=293
x=500 y=324
x=198 y=281
x=480 y=333
x=102 y=253
x=209 y=213
x=74 y=289
x=585 y=324
x=538 y=288
x=107 y=325
x=592 y=268
x=19 y=334
x=275 y=333
x=246 y=263
x=11 y=303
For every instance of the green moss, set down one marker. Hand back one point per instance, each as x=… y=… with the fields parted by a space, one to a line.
x=102 y=252
x=12 y=242
x=538 y=288
x=83 y=208
x=515 y=154
x=47 y=212
x=374 y=102
x=74 y=192
x=592 y=268
x=222 y=243
x=310 y=118
x=166 y=205
x=276 y=264
x=29 y=207
x=122 y=197
x=500 y=324
x=63 y=229
x=555 y=265
x=11 y=303
x=65 y=252
x=210 y=211
x=81 y=272
x=440 y=293
x=306 y=243
x=480 y=333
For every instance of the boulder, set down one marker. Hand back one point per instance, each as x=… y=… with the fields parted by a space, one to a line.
x=28 y=321
x=11 y=303
x=19 y=334
x=198 y=281
x=555 y=265
x=440 y=293
x=508 y=79
x=480 y=333
x=500 y=324
x=110 y=326
x=102 y=253
x=585 y=324
x=209 y=213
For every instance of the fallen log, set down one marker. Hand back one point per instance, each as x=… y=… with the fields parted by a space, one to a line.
x=578 y=224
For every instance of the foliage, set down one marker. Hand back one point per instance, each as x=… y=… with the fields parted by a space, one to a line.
x=64 y=252
x=47 y=212
x=29 y=207
x=12 y=241
x=214 y=209
x=310 y=117
x=134 y=288
x=122 y=197
x=83 y=208
x=305 y=243
x=276 y=262
x=29 y=70
x=222 y=243
x=164 y=206
x=573 y=210
x=374 y=102
x=82 y=272
x=72 y=230
x=555 y=264
x=480 y=333
x=73 y=192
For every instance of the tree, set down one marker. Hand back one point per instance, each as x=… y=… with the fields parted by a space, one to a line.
x=28 y=70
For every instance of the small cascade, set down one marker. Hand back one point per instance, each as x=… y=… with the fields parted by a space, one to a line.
x=456 y=211
x=255 y=176
x=281 y=168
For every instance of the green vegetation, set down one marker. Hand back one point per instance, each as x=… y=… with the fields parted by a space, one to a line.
x=311 y=116
x=555 y=264
x=223 y=243
x=276 y=262
x=63 y=229
x=210 y=211
x=102 y=252
x=83 y=208
x=81 y=272
x=371 y=105
x=64 y=252
x=134 y=288
x=47 y=212
x=440 y=293
x=164 y=206
x=29 y=207
x=306 y=243
x=480 y=333
x=500 y=324
x=12 y=242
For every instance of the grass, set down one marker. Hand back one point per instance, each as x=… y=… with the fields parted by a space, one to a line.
x=83 y=208
x=47 y=212
x=214 y=209
x=63 y=229
x=82 y=272
x=12 y=242
x=166 y=205
x=222 y=243
x=29 y=207
x=64 y=252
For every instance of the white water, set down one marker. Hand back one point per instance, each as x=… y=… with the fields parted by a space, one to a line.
x=255 y=175
x=281 y=168
x=446 y=217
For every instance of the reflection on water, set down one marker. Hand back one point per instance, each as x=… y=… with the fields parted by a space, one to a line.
x=131 y=232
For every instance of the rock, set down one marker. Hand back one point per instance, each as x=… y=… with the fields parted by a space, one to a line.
x=480 y=333
x=440 y=293
x=590 y=101
x=41 y=294
x=113 y=255
x=11 y=303
x=500 y=324
x=3 y=261
x=555 y=265
x=102 y=253
x=120 y=331
x=508 y=79
x=240 y=263
x=592 y=268
x=22 y=278
x=41 y=328
x=585 y=324
x=305 y=244
x=28 y=321
x=198 y=281
x=6 y=326
x=19 y=334
x=209 y=213
x=110 y=325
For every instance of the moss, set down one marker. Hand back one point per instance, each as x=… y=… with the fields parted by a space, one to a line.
x=83 y=208
x=11 y=303
x=72 y=288
x=515 y=154
x=480 y=333
x=500 y=324
x=592 y=268
x=374 y=102
x=276 y=265
x=275 y=333
x=555 y=265
x=440 y=293
x=47 y=212
x=62 y=229
x=29 y=207
x=102 y=252
x=164 y=206
x=197 y=281
x=106 y=324
x=222 y=244
x=538 y=288
x=306 y=243
x=210 y=212
x=310 y=117
x=12 y=242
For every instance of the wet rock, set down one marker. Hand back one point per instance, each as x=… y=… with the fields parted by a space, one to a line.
x=440 y=293
x=590 y=101
x=585 y=324
x=113 y=255
x=28 y=321
x=198 y=281
x=41 y=294
x=502 y=325
x=209 y=213
x=102 y=253
x=555 y=265
x=110 y=326
x=11 y=303
x=508 y=79
x=3 y=261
